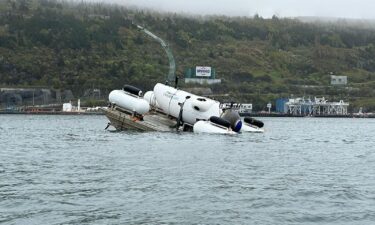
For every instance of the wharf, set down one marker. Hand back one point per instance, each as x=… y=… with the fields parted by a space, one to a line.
x=49 y=113
x=260 y=114
x=301 y=116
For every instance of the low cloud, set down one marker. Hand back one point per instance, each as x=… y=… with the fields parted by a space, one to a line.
x=361 y=9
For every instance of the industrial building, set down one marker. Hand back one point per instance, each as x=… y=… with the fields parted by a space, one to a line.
x=281 y=106
x=201 y=75
x=315 y=107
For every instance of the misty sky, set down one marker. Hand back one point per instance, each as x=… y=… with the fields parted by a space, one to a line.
x=362 y=9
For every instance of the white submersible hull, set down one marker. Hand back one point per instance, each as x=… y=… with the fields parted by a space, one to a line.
x=194 y=108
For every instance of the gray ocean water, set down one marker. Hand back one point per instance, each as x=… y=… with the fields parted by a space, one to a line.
x=69 y=170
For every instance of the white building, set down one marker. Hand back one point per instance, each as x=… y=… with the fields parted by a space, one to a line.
x=67 y=107
x=240 y=107
x=339 y=80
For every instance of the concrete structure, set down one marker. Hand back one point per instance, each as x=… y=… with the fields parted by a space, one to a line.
x=202 y=81
x=201 y=75
x=339 y=80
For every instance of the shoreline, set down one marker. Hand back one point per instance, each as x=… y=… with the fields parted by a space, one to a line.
x=51 y=113
x=306 y=116
x=241 y=114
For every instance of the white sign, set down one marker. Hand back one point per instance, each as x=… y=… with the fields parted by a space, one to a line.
x=203 y=71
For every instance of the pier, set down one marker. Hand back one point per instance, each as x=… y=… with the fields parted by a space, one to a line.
x=318 y=106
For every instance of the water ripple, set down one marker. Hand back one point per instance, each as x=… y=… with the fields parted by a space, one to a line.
x=69 y=170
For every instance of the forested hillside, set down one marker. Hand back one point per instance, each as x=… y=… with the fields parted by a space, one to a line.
x=80 y=45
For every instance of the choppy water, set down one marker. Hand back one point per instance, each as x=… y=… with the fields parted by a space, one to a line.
x=68 y=170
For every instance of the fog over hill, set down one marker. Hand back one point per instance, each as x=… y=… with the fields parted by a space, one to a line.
x=364 y=23
x=362 y=9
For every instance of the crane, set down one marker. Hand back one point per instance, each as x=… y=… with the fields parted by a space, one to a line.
x=172 y=64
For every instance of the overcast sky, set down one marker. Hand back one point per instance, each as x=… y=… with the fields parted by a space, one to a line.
x=361 y=9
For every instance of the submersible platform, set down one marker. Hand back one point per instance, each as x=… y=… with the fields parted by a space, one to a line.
x=167 y=109
x=123 y=119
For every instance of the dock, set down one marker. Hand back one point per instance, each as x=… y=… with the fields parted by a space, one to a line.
x=349 y=115
x=49 y=113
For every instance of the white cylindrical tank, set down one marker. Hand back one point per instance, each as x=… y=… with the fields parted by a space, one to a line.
x=208 y=127
x=126 y=101
x=168 y=98
x=150 y=98
x=195 y=107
